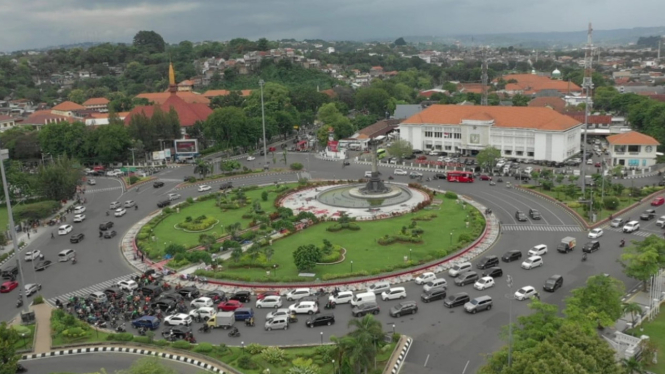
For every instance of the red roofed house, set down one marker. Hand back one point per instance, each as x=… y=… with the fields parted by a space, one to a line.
x=188 y=112
x=554 y=103
x=65 y=111
x=212 y=93
x=376 y=71
x=67 y=108
x=633 y=149
x=528 y=84
x=100 y=104
x=476 y=88
x=7 y=122
x=186 y=85
x=518 y=132
x=592 y=120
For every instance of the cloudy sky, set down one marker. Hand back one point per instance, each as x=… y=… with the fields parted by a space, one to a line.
x=28 y=24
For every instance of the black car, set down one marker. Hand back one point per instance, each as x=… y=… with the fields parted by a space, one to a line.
x=435 y=293
x=648 y=215
x=151 y=290
x=172 y=296
x=457 y=299
x=158 y=184
x=523 y=176
x=115 y=292
x=494 y=272
x=106 y=225
x=511 y=256
x=535 y=214
x=488 y=262
x=216 y=295
x=520 y=216
x=242 y=296
x=591 y=246
x=76 y=238
x=189 y=292
x=163 y=203
x=366 y=308
x=179 y=332
x=163 y=304
x=109 y=234
x=417 y=151
x=321 y=320
x=404 y=307
x=409 y=157
x=553 y=283
x=226 y=185
x=41 y=265
x=468 y=277
x=440 y=176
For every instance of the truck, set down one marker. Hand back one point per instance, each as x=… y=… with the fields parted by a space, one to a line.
x=567 y=244
x=224 y=320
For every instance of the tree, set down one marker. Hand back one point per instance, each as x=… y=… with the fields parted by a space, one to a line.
x=373 y=100
x=400 y=149
x=111 y=143
x=236 y=254
x=262 y=44
x=77 y=96
x=58 y=180
x=9 y=337
x=597 y=304
x=520 y=100
x=207 y=241
x=400 y=41
x=487 y=157
x=268 y=252
x=254 y=251
x=149 y=42
x=228 y=126
x=203 y=168
x=633 y=366
x=634 y=309
x=305 y=257
x=62 y=138
x=643 y=259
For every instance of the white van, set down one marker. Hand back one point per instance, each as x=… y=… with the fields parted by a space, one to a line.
x=66 y=255
x=98 y=297
x=379 y=287
x=277 y=323
x=363 y=298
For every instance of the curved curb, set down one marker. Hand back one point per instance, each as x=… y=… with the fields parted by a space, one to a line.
x=216 y=368
x=402 y=356
x=343 y=254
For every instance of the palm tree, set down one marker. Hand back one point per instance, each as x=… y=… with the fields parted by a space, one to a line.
x=207 y=241
x=233 y=229
x=634 y=309
x=202 y=168
x=236 y=254
x=268 y=251
x=365 y=341
x=633 y=366
x=254 y=251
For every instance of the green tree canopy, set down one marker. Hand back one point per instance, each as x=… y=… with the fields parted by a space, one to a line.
x=596 y=304
x=305 y=257
x=400 y=148
x=149 y=42
x=643 y=259
x=487 y=157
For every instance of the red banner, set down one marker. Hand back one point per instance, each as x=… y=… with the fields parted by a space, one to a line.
x=333 y=145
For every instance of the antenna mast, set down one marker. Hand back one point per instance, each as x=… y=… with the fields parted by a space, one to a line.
x=484 y=83
x=587 y=86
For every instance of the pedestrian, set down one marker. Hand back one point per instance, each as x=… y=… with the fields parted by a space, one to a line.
x=52 y=236
x=28 y=235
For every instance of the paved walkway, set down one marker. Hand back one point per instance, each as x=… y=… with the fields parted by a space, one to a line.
x=43 y=320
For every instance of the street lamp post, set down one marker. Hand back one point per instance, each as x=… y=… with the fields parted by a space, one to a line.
x=451 y=238
x=509 y=280
x=321 y=337
x=352 y=266
x=263 y=120
x=410 y=253
x=132 y=150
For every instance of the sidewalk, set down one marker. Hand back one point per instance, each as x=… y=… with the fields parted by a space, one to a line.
x=43 y=331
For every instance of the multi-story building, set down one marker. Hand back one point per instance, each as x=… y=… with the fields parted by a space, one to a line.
x=632 y=149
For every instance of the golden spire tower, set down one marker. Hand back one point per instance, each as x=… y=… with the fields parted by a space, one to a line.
x=172 y=86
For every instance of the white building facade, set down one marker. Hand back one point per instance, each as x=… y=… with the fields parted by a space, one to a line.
x=632 y=150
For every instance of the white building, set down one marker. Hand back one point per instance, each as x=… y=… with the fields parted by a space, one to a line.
x=7 y=122
x=632 y=149
x=518 y=132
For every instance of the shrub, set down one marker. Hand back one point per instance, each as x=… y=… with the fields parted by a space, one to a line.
x=133 y=179
x=74 y=332
x=162 y=342
x=254 y=349
x=334 y=256
x=264 y=195
x=296 y=166
x=273 y=355
x=450 y=195
x=395 y=337
x=574 y=205
x=38 y=210
x=246 y=362
x=611 y=203
x=190 y=200
x=191 y=179
x=181 y=344
x=123 y=337
x=141 y=339
x=39 y=299
x=464 y=238
x=203 y=348
x=198 y=224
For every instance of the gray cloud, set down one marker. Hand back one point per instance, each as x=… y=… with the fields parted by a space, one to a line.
x=37 y=23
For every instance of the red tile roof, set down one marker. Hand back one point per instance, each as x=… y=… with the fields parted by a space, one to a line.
x=4 y=118
x=187 y=96
x=330 y=92
x=188 y=113
x=42 y=117
x=543 y=119
x=67 y=106
x=555 y=103
x=532 y=83
x=470 y=87
x=632 y=138
x=96 y=101
x=212 y=93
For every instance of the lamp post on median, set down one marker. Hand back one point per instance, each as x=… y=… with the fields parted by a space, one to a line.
x=352 y=266
x=509 y=281
x=410 y=253
x=321 y=337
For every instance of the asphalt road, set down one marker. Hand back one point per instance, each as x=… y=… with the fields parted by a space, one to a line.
x=447 y=340
x=92 y=363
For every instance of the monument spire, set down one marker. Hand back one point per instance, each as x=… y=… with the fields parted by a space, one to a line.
x=172 y=86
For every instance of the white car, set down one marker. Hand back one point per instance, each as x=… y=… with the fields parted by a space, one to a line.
x=79 y=218
x=343 y=297
x=528 y=170
x=425 y=277
x=92 y=182
x=661 y=221
x=201 y=302
x=595 y=233
x=174 y=196
x=79 y=209
x=298 y=294
x=204 y=187
x=129 y=203
x=178 y=319
x=459 y=268
x=204 y=312
x=251 y=158
x=368 y=174
x=618 y=222
x=532 y=262
x=304 y=307
x=525 y=293
x=589 y=162
x=538 y=250
x=128 y=285
x=439 y=282
x=279 y=312
x=120 y=212
x=110 y=173
x=433 y=153
x=400 y=172
x=272 y=301
x=32 y=255
x=65 y=229
x=393 y=294
x=631 y=226
x=114 y=205
x=32 y=288
x=484 y=283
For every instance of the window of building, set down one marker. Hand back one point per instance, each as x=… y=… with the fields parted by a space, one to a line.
x=520 y=153
x=448 y=148
x=619 y=148
x=438 y=134
x=457 y=135
x=633 y=148
x=508 y=152
x=529 y=154
x=428 y=134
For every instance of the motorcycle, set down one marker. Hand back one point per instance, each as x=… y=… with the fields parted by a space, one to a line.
x=19 y=303
x=204 y=328
x=190 y=338
x=121 y=328
x=249 y=322
x=74 y=261
x=107 y=213
x=136 y=207
x=622 y=243
x=234 y=333
x=101 y=324
x=390 y=177
x=142 y=331
x=293 y=318
x=330 y=305
x=584 y=257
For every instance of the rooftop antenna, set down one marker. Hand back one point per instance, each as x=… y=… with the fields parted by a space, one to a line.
x=483 y=84
x=587 y=86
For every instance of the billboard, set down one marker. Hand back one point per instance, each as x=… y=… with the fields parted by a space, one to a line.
x=188 y=147
x=333 y=145
x=158 y=155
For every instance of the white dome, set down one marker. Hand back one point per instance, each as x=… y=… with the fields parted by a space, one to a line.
x=556 y=71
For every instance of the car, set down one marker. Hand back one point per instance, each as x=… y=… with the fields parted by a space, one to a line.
x=468 y=277
x=304 y=307
x=512 y=255
x=113 y=292
x=553 y=283
x=534 y=214
x=415 y=174
x=189 y=292
x=368 y=174
x=109 y=234
x=148 y=322
x=400 y=172
x=263 y=295
x=525 y=293
x=120 y=212
x=589 y=162
x=484 y=283
x=129 y=203
x=8 y=286
x=242 y=296
x=204 y=187
x=128 y=285
x=591 y=246
x=92 y=182
x=631 y=226
x=532 y=262
x=269 y=302
x=436 y=293
x=203 y=313
x=658 y=201
x=42 y=265
x=76 y=238
x=65 y=229
x=487 y=262
x=298 y=294
x=648 y=215
x=158 y=184
x=226 y=185
x=618 y=222
x=327 y=319
x=251 y=158
x=484 y=177
x=163 y=203
x=528 y=169
x=343 y=297
x=230 y=305
x=79 y=218
x=105 y=225
x=279 y=312
x=661 y=222
x=393 y=294
x=457 y=299
x=520 y=216
x=33 y=255
x=425 y=277
x=433 y=153
x=173 y=296
x=457 y=269
x=179 y=332
x=438 y=282
x=178 y=319
x=201 y=302
x=494 y=272
x=361 y=310
x=115 y=205
x=79 y=209
x=216 y=295
x=173 y=196
x=404 y=307
x=440 y=175
x=538 y=250
x=595 y=233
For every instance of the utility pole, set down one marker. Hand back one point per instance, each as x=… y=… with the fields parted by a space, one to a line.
x=484 y=79
x=587 y=86
x=133 y=149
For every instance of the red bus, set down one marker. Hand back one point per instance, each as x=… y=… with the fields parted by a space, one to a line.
x=460 y=176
